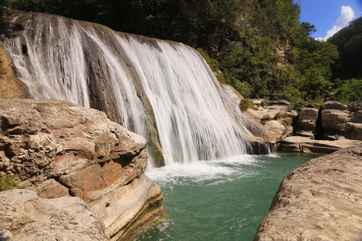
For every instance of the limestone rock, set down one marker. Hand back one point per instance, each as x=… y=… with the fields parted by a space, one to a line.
x=354 y=131
x=321 y=200
x=10 y=86
x=277 y=102
x=276 y=131
x=357 y=116
x=59 y=149
x=334 y=105
x=355 y=106
x=52 y=189
x=307 y=119
x=27 y=217
x=309 y=145
x=334 y=121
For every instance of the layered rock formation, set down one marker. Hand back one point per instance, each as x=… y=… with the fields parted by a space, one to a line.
x=320 y=200
x=27 y=217
x=275 y=117
x=58 y=149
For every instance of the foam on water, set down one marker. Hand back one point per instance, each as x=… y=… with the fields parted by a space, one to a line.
x=212 y=170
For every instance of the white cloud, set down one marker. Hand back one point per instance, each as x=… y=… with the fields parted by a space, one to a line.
x=346 y=16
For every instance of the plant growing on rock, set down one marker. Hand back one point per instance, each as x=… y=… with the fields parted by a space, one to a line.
x=8 y=182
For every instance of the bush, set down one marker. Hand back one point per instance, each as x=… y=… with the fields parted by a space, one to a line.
x=8 y=182
x=350 y=91
x=246 y=104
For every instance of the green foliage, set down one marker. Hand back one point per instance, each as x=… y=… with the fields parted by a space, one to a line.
x=258 y=46
x=350 y=91
x=8 y=182
x=246 y=104
x=349 y=43
x=214 y=65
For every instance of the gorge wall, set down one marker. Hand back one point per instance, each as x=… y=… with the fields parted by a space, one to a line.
x=162 y=90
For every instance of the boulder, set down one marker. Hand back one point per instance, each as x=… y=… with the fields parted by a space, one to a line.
x=355 y=106
x=307 y=119
x=335 y=105
x=354 y=131
x=27 y=217
x=334 y=121
x=59 y=149
x=357 y=116
x=276 y=131
x=321 y=200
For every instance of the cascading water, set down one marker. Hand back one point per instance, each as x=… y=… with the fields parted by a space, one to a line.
x=91 y=65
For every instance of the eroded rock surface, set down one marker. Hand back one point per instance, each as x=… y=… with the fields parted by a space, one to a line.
x=58 y=149
x=305 y=144
x=275 y=117
x=307 y=119
x=320 y=200
x=27 y=217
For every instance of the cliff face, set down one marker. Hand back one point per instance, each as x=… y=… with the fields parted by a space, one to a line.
x=320 y=200
x=59 y=150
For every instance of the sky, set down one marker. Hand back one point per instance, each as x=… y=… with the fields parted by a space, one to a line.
x=329 y=16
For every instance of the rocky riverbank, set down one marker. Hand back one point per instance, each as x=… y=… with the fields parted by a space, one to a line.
x=321 y=200
x=87 y=164
x=332 y=127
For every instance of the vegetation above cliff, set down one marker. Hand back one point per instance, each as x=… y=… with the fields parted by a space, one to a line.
x=258 y=46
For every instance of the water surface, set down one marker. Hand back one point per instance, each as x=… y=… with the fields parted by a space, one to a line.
x=219 y=200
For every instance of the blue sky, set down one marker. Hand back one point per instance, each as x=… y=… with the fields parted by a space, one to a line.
x=329 y=16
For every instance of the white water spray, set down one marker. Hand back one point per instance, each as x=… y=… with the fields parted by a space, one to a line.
x=85 y=63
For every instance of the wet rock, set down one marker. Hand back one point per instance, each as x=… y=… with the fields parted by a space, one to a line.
x=321 y=200
x=10 y=86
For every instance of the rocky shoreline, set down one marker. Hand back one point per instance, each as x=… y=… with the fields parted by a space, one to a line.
x=86 y=164
x=309 y=130
x=321 y=200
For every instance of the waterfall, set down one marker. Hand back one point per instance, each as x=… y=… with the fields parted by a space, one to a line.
x=133 y=79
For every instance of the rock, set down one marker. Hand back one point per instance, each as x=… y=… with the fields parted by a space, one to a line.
x=254 y=131
x=10 y=86
x=276 y=131
x=357 y=116
x=277 y=102
x=52 y=189
x=334 y=105
x=309 y=145
x=354 y=131
x=307 y=119
x=355 y=106
x=27 y=217
x=309 y=134
x=60 y=149
x=334 y=121
x=321 y=200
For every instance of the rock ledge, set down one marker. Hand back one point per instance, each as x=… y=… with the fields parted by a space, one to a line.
x=319 y=201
